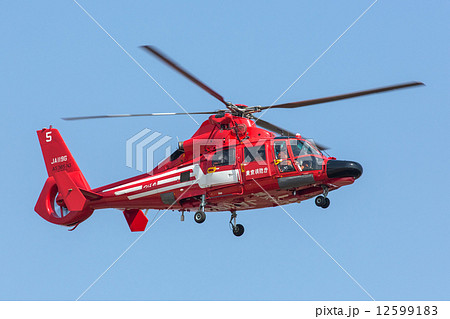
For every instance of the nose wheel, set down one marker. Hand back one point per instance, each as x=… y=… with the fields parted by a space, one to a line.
x=323 y=201
x=238 y=229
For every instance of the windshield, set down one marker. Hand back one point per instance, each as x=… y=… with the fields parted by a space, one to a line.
x=306 y=156
x=300 y=148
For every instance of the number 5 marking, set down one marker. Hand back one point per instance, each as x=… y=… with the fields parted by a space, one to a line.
x=48 y=136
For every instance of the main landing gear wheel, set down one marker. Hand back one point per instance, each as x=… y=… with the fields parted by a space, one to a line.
x=199 y=217
x=238 y=229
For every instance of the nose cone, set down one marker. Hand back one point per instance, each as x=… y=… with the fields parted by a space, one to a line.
x=336 y=169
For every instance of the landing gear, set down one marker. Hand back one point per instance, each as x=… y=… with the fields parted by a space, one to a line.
x=320 y=201
x=326 y=203
x=323 y=201
x=200 y=216
x=238 y=229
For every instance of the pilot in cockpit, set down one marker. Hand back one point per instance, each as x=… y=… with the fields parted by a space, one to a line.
x=285 y=164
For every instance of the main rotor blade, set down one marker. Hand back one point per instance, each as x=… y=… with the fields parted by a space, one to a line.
x=131 y=115
x=342 y=96
x=272 y=127
x=178 y=68
x=280 y=130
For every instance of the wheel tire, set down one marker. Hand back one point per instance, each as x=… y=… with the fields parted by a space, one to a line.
x=199 y=217
x=326 y=203
x=238 y=230
x=320 y=200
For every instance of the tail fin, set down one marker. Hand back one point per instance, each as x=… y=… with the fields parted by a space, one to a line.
x=64 y=200
x=58 y=158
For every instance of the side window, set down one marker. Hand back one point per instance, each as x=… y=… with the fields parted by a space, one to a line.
x=281 y=151
x=282 y=158
x=255 y=154
x=223 y=157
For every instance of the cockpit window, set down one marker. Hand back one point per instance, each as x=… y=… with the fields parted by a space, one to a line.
x=283 y=160
x=293 y=154
x=300 y=148
x=306 y=157
x=280 y=149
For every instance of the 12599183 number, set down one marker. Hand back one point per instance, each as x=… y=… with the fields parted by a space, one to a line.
x=407 y=310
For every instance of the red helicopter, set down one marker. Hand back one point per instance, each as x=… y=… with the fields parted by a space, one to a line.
x=229 y=164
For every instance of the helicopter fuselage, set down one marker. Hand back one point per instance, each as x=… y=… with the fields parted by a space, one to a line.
x=237 y=166
x=229 y=164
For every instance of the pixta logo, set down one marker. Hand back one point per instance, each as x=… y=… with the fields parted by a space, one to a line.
x=144 y=149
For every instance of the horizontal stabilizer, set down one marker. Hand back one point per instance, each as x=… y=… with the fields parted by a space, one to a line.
x=136 y=219
x=90 y=195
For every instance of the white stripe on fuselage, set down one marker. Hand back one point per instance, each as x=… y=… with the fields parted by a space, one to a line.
x=147 y=179
x=221 y=178
x=162 y=189
x=137 y=188
x=168 y=180
x=128 y=190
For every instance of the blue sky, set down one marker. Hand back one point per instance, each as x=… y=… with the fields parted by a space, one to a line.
x=389 y=230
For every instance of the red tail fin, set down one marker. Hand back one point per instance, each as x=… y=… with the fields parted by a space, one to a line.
x=57 y=156
x=64 y=200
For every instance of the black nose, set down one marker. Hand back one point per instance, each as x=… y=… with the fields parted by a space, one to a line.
x=337 y=169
